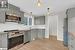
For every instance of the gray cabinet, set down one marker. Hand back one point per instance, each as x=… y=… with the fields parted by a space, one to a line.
x=24 y=21
x=71 y=42
x=41 y=33
x=2 y=16
x=27 y=36
x=34 y=34
x=37 y=34
x=71 y=28
x=3 y=40
x=12 y=10
x=39 y=20
x=13 y=7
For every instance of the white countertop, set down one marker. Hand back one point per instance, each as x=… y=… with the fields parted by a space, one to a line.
x=12 y=26
x=16 y=26
x=38 y=27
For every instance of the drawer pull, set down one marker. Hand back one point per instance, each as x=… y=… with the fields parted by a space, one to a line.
x=72 y=38
x=71 y=46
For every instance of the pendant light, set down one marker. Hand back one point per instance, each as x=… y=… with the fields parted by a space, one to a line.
x=38 y=3
x=31 y=13
x=50 y=12
x=48 y=9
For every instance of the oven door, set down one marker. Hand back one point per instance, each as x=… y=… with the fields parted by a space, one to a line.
x=14 y=41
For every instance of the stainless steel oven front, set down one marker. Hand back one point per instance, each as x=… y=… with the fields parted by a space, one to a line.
x=15 y=38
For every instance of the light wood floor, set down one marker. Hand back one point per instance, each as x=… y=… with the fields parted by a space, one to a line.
x=44 y=44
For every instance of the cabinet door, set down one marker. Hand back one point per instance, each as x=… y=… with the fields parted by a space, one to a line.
x=27 y=36
x=0 y=41
x=3 y=40
x=2 y=16
x=69 y=40
x=34 y=34
x=73 y=42
x=24 y=21
x=41 y=33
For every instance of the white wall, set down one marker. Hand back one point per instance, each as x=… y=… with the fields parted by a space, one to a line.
x=47 y=26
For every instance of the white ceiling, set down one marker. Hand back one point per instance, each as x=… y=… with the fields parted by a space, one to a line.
x=54 y=5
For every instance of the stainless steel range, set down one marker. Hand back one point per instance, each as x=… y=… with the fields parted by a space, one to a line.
x=15 y=38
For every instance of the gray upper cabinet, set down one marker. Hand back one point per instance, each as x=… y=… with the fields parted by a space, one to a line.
x=39 y=20
x=25 y=21
x=2 y=16
x=13 y=7
x=71 y=12
x=21 y=14
x=12 y=10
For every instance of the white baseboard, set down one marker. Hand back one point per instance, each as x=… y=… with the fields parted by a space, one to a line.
x=46 y=36
x=59 y=39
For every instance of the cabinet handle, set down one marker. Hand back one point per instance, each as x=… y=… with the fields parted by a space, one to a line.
x=72 y=38
x=71 y=46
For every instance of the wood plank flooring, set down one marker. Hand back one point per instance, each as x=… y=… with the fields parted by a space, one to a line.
x=44 y=44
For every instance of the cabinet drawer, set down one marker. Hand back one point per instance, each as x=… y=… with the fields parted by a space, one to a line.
x=71 y=47
x=71 y=42
x=69 y=39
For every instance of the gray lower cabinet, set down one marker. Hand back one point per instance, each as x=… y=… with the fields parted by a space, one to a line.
x=41 y=33
x=3 y=41
x=37 y=34
x=34 y=34
x=71 y=42
x=27 y=36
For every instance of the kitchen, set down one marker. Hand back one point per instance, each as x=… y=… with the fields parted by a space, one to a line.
x=37 y=25
x=17 y=27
